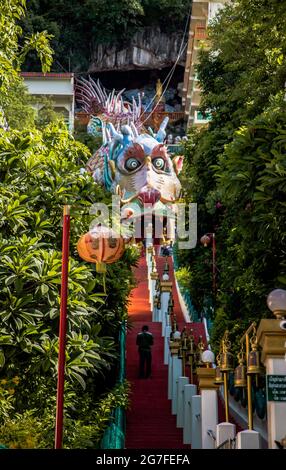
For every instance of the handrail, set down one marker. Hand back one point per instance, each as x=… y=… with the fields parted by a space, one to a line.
x=227 y=444
x=211 y=434
x=114 y=436
x=249 y=329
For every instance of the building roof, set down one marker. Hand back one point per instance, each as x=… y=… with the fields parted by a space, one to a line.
x=47 y=75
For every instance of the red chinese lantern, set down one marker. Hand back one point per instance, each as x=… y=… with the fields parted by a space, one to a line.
x=101 y=246
x=205 y=240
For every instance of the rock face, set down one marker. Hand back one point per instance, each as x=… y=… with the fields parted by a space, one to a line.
x=148 y=49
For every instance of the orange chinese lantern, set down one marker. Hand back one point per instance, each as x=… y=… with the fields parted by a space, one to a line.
x=101 y=246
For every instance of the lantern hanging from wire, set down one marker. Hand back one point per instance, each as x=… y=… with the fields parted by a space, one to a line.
x=101 y=246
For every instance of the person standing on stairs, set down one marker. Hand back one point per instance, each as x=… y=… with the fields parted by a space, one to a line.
x=145 y=342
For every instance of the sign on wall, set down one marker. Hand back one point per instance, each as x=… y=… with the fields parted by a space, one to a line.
x=276 y=388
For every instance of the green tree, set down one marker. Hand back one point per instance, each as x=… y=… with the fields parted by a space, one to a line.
x=78 y=27
x=12 y=53
x=39 y=173
x=235 y=168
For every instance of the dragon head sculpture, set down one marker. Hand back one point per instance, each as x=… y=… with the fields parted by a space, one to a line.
x=138 y=168
x=131 y=162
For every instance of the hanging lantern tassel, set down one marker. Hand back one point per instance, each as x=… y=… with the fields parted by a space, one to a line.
x=101 y=268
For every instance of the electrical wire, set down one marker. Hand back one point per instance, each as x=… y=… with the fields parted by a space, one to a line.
x=155 y=107
x=171 y=72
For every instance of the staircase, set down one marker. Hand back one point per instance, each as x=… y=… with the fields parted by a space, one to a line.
x=149 y=423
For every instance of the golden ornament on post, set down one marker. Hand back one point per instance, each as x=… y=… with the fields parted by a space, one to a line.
x=156 y=300
x=175 y=324
x=166 y=267
x=240 y=378
x=171 y=300
x=191 y=354
x=253 y=360
x=175 y=346
x=218 y=373
x=226 y=367
x=226 y=358
x=157 y=285
x=245 y=338
x=191 y=343
x=184 y=348
x=159 y=302
x=201 y=348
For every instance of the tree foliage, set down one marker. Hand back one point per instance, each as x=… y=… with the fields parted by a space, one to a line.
x=13 y=54
x=39 y=173
x=78 y=27
x=236 y=167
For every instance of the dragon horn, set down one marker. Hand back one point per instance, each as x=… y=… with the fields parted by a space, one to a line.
x=98 y=91
x=108 y=135
x=135 y=131
x=161 y=134
x=102 y=89
x=139 y=105
x=115 y=134
x=151 y=131
x=111 y=99
x=104 y=137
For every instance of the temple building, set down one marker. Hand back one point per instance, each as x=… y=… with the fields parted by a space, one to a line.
x=203 y=11
x=59 y=87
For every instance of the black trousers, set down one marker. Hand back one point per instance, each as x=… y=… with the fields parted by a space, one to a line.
x=145 y=360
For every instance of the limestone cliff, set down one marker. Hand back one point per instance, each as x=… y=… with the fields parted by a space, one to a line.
x=149 y=48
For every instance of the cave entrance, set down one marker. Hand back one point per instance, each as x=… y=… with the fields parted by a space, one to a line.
x=145 y=81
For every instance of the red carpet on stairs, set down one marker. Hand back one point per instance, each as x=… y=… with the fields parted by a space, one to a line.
x=149 y=423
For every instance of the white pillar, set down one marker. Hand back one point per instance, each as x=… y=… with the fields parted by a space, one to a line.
x=152 y=292
x=149 y=271
x=224 y=432
x=166 y=345
x=248 y=440
x=170 y=377
x=271 y=336
x=177 y=372
x=189 y=391
x=154 y=312
x=149 y=254
x=196 y=425
x=209 y=417
x=159 y=315
x=276 y=411
x=164 y=308
x=206 y=376
x=181 y=400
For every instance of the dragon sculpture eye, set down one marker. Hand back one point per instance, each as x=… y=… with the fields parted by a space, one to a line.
x=132 y=164
x=159 y=163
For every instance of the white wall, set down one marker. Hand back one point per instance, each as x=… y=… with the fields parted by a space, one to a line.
x=46 y=86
